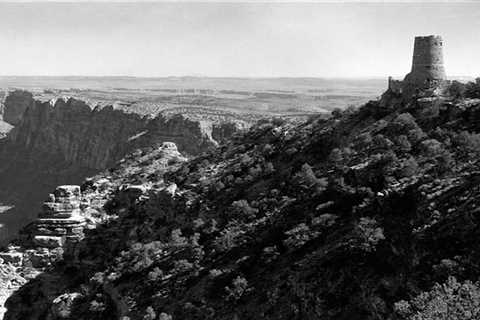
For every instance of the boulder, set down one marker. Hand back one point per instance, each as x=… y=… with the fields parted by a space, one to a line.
x=67 y=191
x=62 y=305
x=48 y=241
x=13 y=257
x=169 y=146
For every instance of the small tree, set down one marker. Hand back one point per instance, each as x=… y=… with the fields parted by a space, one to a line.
x=472 y=89
x=456 y=90
x=409 y=168
x=238 y=289
x=337 y=113
x=449 y=301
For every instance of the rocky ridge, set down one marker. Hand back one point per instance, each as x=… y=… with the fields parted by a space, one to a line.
x=68 y=213
x=371 y=214
x=64 y=140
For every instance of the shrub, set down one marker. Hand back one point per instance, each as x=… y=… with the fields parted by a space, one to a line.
x=472 y=89
x=155 y=274
x=432 y=148
x=409 y=168
x=325 y=220
x=229 y=238
x=337 y=113
x=307 y=176
x=182 y=265
x=177 y=239
x=96 y=306
x=402 y=124
x=298 y=236
x=363 y=141
x=416 y=135
x=382 y=142
x=149 y=314
x=369 y=234
x=445 y=162
x=238 y=289
x=164 y=316
x=469 y=141
x=450 y=301
x=243 y=210
x=340 y=156
x=269 y=168
x=336 y=155
x=403 y=144
x=456 y=89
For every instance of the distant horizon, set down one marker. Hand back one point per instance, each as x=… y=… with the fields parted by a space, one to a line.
x=231 y=77
x=247 y=40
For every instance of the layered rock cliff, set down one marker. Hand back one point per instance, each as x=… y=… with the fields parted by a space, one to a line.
x=97 y=137
x=64 y=140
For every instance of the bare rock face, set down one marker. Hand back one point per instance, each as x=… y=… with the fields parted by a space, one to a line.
x=191 y=137
x=5 y=128
x=70 y=130
x=60 y=221
x=15 y=105
x=221 y=132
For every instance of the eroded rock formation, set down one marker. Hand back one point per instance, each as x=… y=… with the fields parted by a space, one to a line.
x=64 y=140
x=58 y=232
x=15 y=105
x=59 y=222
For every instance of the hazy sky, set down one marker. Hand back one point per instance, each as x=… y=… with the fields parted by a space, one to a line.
x=232 y=39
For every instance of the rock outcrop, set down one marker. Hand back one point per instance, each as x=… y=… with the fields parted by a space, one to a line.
x=222 y=132
x=70 y=131
x=15 y=105
x=5 y=128
x=60 y=221
x=96 y=138
x=59 y=230
x=64 y=140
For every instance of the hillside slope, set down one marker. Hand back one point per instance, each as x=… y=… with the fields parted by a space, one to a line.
x=65 y=140
x=347 y=218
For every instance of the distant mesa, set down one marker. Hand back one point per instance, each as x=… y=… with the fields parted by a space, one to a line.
x=427 y=71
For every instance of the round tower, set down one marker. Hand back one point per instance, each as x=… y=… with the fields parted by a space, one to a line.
x=427 y=65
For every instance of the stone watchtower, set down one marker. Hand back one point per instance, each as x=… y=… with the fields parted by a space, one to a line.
x=427 y=65
x=427 y=74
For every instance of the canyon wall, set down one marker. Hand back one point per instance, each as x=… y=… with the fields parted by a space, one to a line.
x=64 y=140
x=16 y=102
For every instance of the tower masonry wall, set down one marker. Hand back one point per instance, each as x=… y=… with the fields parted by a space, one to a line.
x=427 y=63
x=395 y=86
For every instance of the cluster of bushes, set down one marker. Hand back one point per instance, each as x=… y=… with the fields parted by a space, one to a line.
x=459 y=90
x=296 y=222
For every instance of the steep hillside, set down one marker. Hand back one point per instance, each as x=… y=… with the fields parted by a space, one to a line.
x=355 y=217
x=64 y=140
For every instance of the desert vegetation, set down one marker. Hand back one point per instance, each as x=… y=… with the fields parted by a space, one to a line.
x=368 y=214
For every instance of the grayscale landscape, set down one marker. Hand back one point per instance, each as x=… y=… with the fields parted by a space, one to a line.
x=240 y=160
